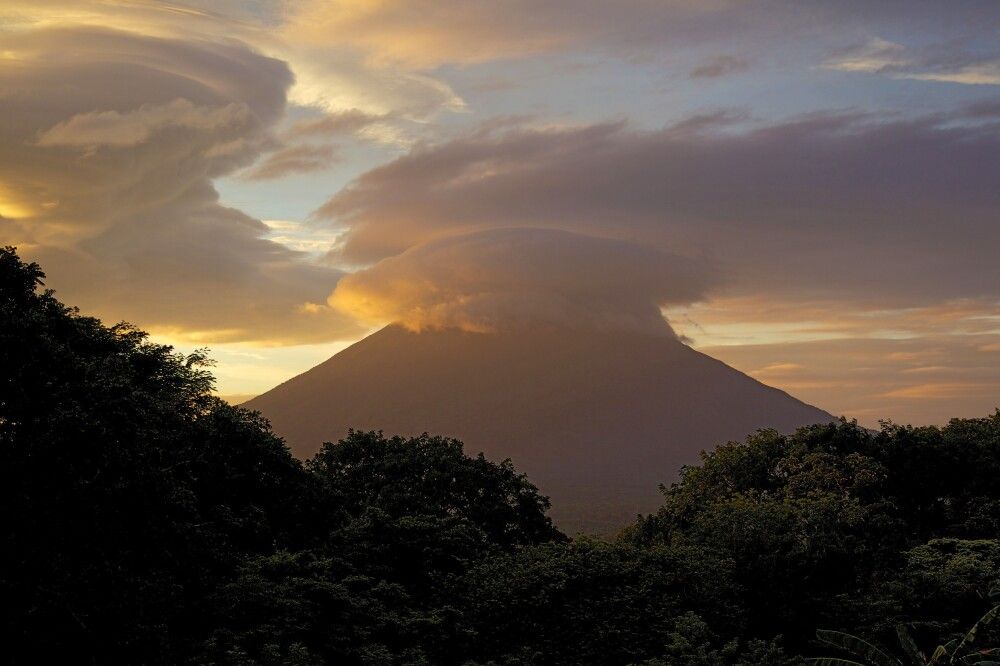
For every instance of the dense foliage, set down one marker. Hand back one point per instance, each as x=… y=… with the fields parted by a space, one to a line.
x=144 y=521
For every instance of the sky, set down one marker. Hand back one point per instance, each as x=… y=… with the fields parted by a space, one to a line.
x=806 y=190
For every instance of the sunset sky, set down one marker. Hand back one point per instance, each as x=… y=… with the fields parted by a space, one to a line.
x=808 y=190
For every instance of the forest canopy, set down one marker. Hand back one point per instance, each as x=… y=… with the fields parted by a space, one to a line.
x=145 y=521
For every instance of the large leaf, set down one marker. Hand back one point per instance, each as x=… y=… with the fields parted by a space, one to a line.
x=910 y=646
x=857 y=646
x=970 y=636
x=941 y=652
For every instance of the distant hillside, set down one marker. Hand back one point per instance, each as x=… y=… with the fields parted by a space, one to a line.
x=596 y=420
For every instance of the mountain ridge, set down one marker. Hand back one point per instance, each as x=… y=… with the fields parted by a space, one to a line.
x=595 y=419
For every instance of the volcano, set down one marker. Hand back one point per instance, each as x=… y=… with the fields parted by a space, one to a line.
x=597 y=420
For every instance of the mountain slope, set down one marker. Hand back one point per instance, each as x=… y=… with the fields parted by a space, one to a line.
x=596 y=419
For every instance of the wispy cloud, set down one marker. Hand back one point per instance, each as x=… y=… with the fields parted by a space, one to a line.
x=880 y=56
x=342 y=123
x=937 y=390
x=719 y=66
x=131 y=128
x=303 y=158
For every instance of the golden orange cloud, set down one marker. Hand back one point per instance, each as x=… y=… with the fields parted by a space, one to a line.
x=937 y=390
x=109 y=144
x=914 y=365
x=503 y=278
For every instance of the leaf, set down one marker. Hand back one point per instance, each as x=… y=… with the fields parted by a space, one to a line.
x=857 y=646
x=978 y=657
x=833 y=661
x=940 y=651
x=910 y=646
x=970 y=636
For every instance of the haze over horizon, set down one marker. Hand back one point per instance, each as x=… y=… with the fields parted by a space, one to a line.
x=807 y=191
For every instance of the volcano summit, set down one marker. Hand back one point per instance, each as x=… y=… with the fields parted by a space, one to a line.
x=596 y=419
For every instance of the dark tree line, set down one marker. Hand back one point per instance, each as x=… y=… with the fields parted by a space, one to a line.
x=145 y=522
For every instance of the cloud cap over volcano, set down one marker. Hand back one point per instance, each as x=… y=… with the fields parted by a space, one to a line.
x=510 y=278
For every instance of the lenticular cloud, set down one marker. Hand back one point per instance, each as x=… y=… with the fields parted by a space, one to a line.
x=508 y=278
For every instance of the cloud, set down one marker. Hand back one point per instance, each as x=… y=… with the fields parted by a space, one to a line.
x=503 y=278
x=876 y=55
x=858 y=359
x=302 y=158
x=869 y=379
x=936 y=390
x=422 y=45
x=111 y=128
x=719 y=66
x=337 y=124
x=202 y=274
x=109 y=143
x=947 y=64
x=985 y=73
x=330 y=74
x=843 y=205
x=847 y=241
x=425 y=34
x=334 y=79
x=768 y=320
x=313 y=239
x=193 y=19
x=988 y=110
x=779 y=369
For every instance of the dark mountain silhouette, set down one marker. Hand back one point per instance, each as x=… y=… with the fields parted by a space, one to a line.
x=596 y=419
